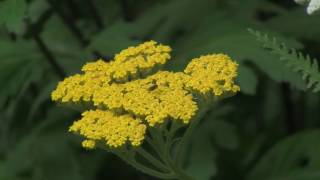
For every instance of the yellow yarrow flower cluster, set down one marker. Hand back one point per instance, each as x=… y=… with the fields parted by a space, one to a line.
x=156 y=98
x=128 y=96
x=129 y=64
x=135 y=62
x=213 y=73
x=78 y=88
x=99 y=125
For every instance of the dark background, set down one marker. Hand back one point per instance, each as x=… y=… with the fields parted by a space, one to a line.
x=269 y=131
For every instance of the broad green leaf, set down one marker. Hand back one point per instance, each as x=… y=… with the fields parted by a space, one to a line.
x=301 y=25
x=201 y=162
x=36 y=9
x=294 y=158
x=232 y=39
x=164 y=21
x=223 y=133
x=55 y=157
x=65 y=47
x=114 y=38
x=247 y=80
x=20 y=64
x=43 y=96
x=12 y=14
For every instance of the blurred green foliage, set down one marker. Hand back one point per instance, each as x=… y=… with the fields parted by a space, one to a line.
x=268 y=132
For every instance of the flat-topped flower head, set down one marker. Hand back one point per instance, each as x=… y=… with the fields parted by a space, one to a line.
x=78 y=87
x=113 y=130
x=214 y=73
x=140 y=60
x=130 y=93
x=132 y=63
x=156 y=98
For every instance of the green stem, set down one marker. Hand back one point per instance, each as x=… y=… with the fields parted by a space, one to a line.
x=164 y=147
x=188 y=133
x=152 y=159
x=153 y=145
x=130 y=160
x=175 y=168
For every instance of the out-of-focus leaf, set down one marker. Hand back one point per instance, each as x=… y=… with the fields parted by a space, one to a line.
x=19 y=158
x=272 y=105
x=36 y=8
x=12 y=14
x=55 y=157
x=202 y=161
x=64 y=46
x=224 y=134
x=164 y=21
x=227 y=37
x=302 y=25
x=42 y=97
x=115 y=38
x=295 y=158
x=20 y=64
x=247 y=9
x=247 y=80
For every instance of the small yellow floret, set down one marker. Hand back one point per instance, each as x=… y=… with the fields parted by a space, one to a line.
x=89 y=144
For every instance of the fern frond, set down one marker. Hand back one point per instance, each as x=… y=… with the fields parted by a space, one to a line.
x=307 y=67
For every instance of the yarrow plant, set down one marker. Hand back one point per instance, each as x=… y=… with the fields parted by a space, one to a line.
x=141 y=113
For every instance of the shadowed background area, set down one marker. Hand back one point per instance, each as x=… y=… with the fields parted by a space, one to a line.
x=268 y=131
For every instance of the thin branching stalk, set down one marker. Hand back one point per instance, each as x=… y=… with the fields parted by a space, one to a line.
x=49 y=56
x=69 y=23
x=157 y=163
